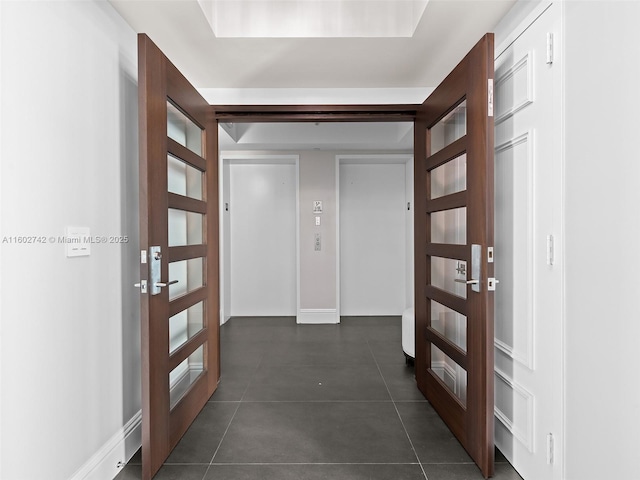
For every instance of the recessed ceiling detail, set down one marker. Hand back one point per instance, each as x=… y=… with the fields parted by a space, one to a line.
x=313 y=18
x=303 y=136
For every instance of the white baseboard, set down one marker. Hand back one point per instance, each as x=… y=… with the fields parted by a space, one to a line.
x=108 y=461
x=317 y=316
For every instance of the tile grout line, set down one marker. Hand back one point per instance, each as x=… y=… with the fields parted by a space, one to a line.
x=310 y=463
x=395 y=407
x=233 y=416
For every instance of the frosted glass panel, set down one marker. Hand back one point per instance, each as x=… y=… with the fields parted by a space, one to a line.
x=185 y=228
x=185 y=325
x=452 y=127
x=451 y=374
x=449 y=226
x=183 y=179
x=183 y=130
x=450 y=177
x=183 y=376
x=189 y=274
x=449 y=323
x=444 y=272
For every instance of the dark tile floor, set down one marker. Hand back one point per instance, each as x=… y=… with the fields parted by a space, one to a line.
x=311 y=402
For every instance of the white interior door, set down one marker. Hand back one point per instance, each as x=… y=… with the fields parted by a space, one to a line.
x=262 y=220
x=372 y=239
x=528 y=300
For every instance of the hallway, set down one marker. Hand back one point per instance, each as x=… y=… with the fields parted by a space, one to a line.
x=317 y=402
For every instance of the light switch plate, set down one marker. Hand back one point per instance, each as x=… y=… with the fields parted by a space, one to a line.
x=317 y=221
x=77 y=241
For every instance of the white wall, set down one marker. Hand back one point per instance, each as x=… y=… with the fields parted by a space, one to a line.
x=372 y=238
x=263 y=239
x=318 y=269
x=70 y=376
x=602 y=184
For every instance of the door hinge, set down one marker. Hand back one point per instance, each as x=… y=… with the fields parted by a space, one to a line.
x=550 y=250
x=549 y=48
x=490 y=97
x=550 y=448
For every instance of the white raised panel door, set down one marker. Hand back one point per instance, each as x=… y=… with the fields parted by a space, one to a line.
x=528 y=300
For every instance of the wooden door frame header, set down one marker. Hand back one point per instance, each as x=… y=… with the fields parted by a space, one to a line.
x=315 y=113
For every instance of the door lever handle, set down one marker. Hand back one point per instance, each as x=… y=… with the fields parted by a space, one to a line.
x=467 y=282
x=163 y=284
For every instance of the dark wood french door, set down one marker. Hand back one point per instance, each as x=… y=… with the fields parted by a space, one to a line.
x=453 y=242
x=454 y=252
x=179 y=253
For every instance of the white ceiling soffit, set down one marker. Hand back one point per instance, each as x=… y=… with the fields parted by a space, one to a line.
x=444 y=34
x=351 y=136
x=313 y=18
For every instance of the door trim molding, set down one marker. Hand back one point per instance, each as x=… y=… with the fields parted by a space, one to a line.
x=315 y=113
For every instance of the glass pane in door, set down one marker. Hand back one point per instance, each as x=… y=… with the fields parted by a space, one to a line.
x=449 y=323
x=181 y=129
x=451 y=374
x=450 y=177
x=445 y=272
x=449 y=226
x=185 y=228
x=183 y=179
x=184 y=325
x=190 y=276
x=184 y=375
x=452 y=127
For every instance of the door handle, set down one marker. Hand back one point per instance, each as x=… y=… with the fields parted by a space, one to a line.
x=163 y=284
x=476 y=258
x=467 y=282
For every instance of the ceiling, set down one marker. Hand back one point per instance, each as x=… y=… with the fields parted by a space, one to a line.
x=350 y=69
x=444 y=33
